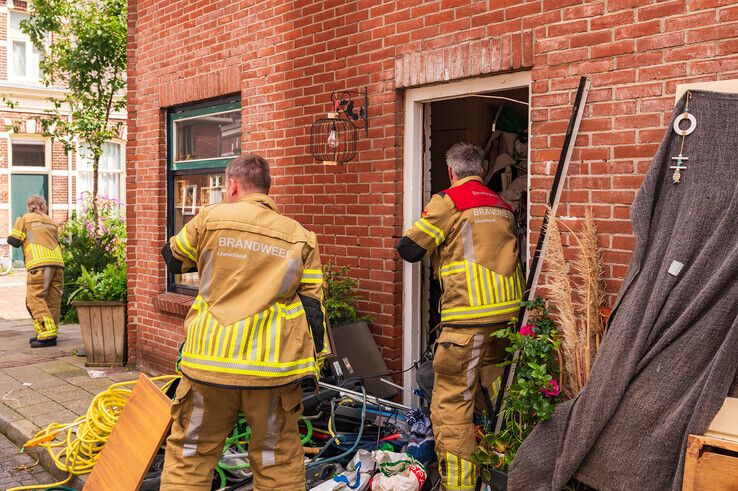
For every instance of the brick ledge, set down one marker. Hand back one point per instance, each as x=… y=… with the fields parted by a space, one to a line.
x=174 y=303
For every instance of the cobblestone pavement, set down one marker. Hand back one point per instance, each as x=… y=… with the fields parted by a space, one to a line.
x=13 y=296
x=41 y=386
x=17 y=469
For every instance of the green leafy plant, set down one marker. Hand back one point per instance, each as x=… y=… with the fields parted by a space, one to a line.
x=106 y=285
x=94 y=248
x=339 y=295
x=534 y=393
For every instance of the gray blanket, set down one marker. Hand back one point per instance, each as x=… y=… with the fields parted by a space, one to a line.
x=670 y=352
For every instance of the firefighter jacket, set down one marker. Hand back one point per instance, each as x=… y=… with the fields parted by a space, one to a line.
x=39 y=237
x=258 y=318
x=471 y=233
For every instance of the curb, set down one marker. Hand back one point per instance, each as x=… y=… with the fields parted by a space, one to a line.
x=19 y=432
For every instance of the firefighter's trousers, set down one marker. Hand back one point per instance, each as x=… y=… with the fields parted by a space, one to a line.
x=465 y=361
x=43 y=299
x=204 y=416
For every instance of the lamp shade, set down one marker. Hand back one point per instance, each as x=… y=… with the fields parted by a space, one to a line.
x=333 y=140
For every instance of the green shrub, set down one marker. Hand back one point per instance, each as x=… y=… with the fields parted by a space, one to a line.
x=94 y=249
x=534 y=393
x=106 y=285
x=339 y=296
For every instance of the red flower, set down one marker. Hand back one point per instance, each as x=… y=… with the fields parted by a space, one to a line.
x=552 y=390
x=527 y=330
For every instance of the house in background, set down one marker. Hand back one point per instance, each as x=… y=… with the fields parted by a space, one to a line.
x=29 y=162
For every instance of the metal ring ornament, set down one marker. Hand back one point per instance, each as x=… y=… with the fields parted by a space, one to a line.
x=692 y=124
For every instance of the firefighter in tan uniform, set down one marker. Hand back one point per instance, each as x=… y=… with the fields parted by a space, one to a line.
x=253 y=333
x=37 y=234
x=470 y=232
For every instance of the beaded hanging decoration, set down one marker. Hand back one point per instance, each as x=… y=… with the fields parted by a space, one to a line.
x=680 y=159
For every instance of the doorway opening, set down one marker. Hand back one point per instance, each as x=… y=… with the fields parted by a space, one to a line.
x=490 y=112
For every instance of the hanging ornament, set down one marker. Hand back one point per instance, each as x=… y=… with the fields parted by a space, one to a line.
x=680 y=159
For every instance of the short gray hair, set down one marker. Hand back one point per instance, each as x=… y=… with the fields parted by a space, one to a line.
x=465 y=160
x=252 y=170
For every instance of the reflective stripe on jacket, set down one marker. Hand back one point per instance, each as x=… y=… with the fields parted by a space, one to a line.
x=38 y=236
x=471 y=233
x=259 y=273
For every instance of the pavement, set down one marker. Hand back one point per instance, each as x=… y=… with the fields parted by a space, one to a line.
x=18 y=469
x=41 y=386
x=13 y=296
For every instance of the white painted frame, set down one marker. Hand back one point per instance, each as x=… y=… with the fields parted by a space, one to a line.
x=121 y=171
x=29 y=51
x=413 y=200
x=15 y=169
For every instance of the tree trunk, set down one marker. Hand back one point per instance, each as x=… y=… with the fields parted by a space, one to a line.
x=95 y=165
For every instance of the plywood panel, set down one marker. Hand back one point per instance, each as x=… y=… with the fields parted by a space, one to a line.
x=710 y=464
x=136 y=438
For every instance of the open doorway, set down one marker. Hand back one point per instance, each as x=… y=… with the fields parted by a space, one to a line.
x=497 y=122
x=490 y=112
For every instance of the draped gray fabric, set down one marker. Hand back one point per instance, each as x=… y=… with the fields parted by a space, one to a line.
x=670 y=352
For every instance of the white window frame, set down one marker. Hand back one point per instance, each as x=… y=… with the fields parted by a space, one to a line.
x=121 y=171
x=29 y=51
x=26 y=169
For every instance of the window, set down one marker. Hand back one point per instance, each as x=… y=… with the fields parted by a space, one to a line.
x=202 y=140
x=110 y=171
x=24 y=59
x=28 y=154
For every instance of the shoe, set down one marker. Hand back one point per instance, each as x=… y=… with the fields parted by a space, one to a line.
x=43 y=343
x=32 y=339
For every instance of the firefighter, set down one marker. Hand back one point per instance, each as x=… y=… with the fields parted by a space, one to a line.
x=252 y=335
x=470 y=233
x=37 y=233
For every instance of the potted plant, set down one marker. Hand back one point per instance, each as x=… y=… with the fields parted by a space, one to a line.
x=100 y=300
x=530 y=399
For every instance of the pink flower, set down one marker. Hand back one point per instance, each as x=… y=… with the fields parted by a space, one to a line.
x=552 y=390
x=527 y=330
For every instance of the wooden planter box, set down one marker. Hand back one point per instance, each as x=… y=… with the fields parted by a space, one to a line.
x=103 y=327
x=712 y=459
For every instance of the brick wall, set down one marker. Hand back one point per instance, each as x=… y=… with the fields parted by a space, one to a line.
x=285 y=57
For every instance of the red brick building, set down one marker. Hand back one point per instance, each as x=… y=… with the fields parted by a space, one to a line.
x=429 y=67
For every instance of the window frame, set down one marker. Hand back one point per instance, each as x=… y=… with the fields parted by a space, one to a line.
x=121 y=171
x=191 y=167
x=30 y=140
x=13 y=37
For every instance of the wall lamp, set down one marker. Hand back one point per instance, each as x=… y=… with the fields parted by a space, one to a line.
x=333 y=139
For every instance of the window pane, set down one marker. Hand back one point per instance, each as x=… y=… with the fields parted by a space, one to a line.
x=109 y=185
x=15 y=20
x=19 y=59
x=36 y=57
x=110 y=159
x=84 y=184
x=190 y=193
x=29 y=154
x=208 y=137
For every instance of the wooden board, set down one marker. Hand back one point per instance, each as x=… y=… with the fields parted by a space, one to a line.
x=137 y=436
x=725 y=424
x=710 y=464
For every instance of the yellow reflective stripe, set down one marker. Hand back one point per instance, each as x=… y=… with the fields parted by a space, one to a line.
x=268 y=335
x=483 y=285
x=278 y=340
x=18 y=234
x=181 y=240
x=311 y=280
x=264 y=369
x=246 y=336
x=434 y=232
x=452 y=268
x=460 y=313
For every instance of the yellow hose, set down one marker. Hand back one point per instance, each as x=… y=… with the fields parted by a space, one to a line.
x=77 y=452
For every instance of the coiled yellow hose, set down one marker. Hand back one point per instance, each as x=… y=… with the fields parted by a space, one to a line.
x=77 y=452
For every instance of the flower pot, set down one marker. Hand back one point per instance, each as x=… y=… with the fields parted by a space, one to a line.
x=103 y=327
x=497 y=483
